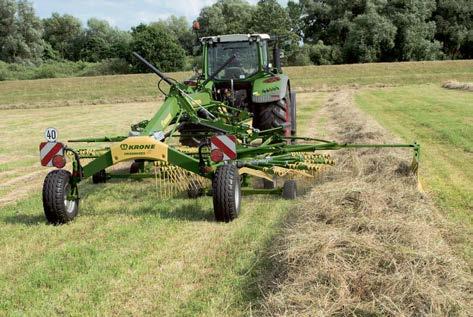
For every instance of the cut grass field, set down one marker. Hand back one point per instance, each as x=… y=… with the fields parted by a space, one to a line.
x=132 y=88
x=441 y=121
x=129 y=253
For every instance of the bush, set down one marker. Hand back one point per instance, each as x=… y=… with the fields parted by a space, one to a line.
x=61 y=69
x=300 y=57
x=192 y=62
x=3 y=71
x=321 y=54
x=112 y=66
x=44 y=72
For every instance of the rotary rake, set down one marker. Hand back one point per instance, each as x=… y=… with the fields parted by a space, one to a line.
x=229 y=153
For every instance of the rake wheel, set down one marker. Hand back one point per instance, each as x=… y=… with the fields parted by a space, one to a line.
x=226 y=193
x=289 y=190
x=58 y=206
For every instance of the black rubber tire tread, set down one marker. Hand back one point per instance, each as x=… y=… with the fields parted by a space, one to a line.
x=188 y=129
x=135 y=167
x=289 y=190
x=225 y=182
x=53 y=198
x=99 y=177
x=194 y=190
x=267 y=184
x=270 y=116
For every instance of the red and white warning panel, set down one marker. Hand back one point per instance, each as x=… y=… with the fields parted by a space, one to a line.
x=226 y=144
x=48 y=151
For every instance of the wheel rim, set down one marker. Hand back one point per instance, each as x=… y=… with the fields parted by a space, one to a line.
x=237 y=196
x=69 y=204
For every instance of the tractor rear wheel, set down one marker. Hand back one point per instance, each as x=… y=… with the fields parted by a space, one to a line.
x=226 y=193
x=190 y=134
x=272 y=115
x=59 y=203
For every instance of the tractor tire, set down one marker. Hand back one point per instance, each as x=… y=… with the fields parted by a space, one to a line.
x=57 y=208
x=289 y=190
x=270 y=116
x=187 y=134
x=99 y=177
x=226 y=193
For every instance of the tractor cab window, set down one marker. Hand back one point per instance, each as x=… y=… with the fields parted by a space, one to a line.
x=264 y=49
x=245 y=64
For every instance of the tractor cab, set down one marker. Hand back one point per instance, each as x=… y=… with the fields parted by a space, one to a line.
x=250 y=52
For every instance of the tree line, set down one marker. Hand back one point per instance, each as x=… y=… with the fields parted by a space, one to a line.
x=310 y=32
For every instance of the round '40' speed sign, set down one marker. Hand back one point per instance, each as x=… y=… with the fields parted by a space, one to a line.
x=50 y=134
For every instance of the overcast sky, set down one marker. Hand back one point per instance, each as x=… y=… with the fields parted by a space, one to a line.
x=124 y=13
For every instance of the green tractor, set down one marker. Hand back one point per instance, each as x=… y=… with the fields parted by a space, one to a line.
x=235 y=122
x=243 y=76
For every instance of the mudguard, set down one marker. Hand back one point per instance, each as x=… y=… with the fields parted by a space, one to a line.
x=269 y=88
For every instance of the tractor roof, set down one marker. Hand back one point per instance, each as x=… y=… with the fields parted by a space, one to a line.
x=235 y=38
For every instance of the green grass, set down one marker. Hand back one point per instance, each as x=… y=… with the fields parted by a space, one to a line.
x=441 y=121
x=128 y=252
x=128 y=88
x=131 y=253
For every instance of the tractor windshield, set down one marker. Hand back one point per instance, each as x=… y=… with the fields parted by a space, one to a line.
x=245 y=64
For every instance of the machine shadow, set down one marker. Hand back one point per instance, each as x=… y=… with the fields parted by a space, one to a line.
x=24 y=219
x=178 y=207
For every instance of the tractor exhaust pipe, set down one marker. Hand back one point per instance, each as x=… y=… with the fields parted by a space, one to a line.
x=277 y=56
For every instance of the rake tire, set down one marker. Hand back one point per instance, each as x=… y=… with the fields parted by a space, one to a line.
x=57 y=209
x=194 y=190
x=226 y=193
x=289 y=190
x=99 y=177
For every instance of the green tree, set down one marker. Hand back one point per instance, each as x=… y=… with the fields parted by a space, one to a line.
x=7 y=28
x=101 y=41
x=369 y=39
x=225 y=17
x=155 y=44
x=269 y=17
x=454 y=22
x=295 y=12
x=415 y=32
x=182 y=32
x=21 y=32
x=61 y=32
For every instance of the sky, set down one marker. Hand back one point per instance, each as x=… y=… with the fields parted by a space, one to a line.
x=124 y=13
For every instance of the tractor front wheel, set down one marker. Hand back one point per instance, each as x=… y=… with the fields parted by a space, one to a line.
x=226 y=193
x=60 y=200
